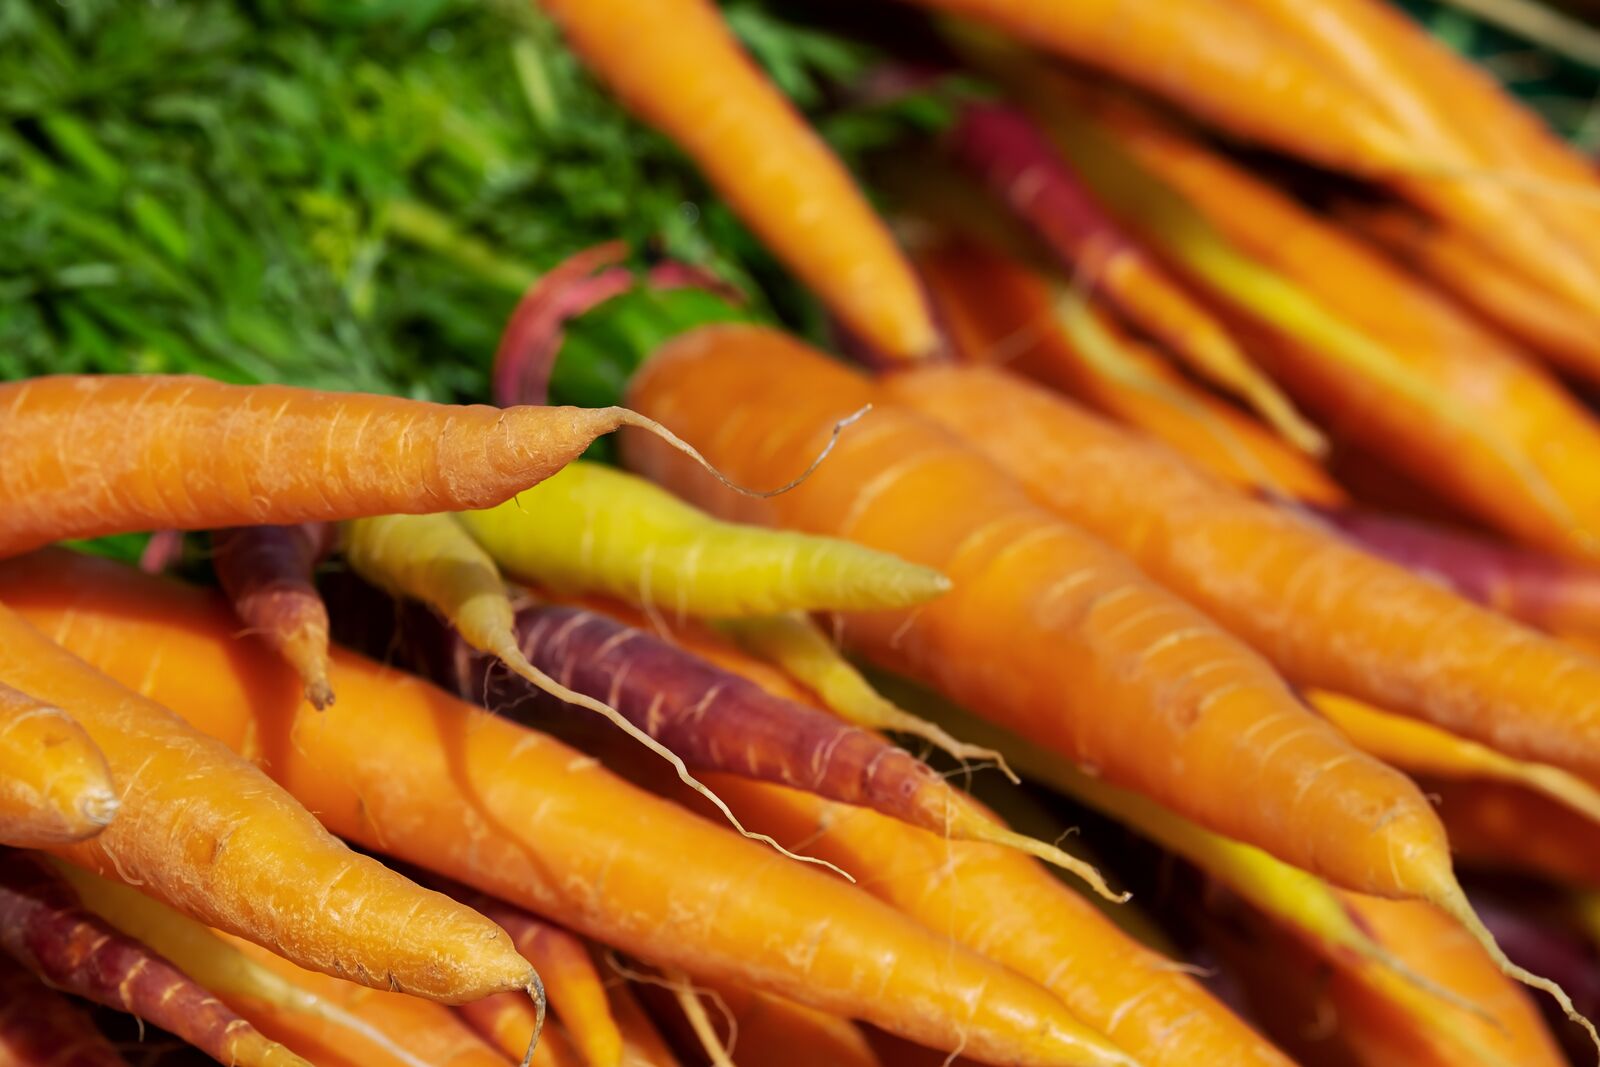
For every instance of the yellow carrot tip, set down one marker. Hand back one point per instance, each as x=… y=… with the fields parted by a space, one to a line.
x=980 y=829
x=1453 y=902
x=627 y=417
x=535 y=991
x=1289 y=424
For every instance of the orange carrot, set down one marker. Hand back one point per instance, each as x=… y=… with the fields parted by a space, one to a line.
x=1015 y=912
x=1453 y=405
x=88 y=455
x=998 y=311
x=1213 y=58
x=401 y=766
x=1047 y=631
x=252 y=860
x=54 y=783
x=571 y=982
x=266 y=572
x=44 y=928
x=644 y=1046
x=508 y=1022
x=1555 y=330
x=41 y=1028
x=675 y=65
x=1279 y=581
x=716 y=721
x=760 y=1029
x=414 y=1032
x=1499 y=826
x=1019 y=166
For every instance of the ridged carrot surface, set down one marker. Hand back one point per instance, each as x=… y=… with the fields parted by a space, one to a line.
x=674 y=64
x=1046 y=630
x=401 y=766
x=1328 y=614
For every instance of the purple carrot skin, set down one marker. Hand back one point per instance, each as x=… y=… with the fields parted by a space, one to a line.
x=41 y=1028
x=713 y=719
x=266 y=572
x=1017 y=162
x=1553 y=594
x=46 y=930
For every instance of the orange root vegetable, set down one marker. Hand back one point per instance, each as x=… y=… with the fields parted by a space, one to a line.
x=508 y=1023
x=1212 y=58
x=44 y=928
x=1279 y=581
x=1553 y=594
x=541 y=826
x=414 y=1032
x=252 y=857
x=41 y=1028
x=718 y=721
x=572 y=984
x=643 y=1046
x=998 y=311
x=90 y=455
x=674 y=64
x=1421 y=749
x=266 y=572
x=1047 y=631
x=1018 y=914
x=1404 y=374
x=55 y=786
x=1562 y=334
x=1019 y=166
x=756 y=1028
x=1500 y=826
x=794 y=644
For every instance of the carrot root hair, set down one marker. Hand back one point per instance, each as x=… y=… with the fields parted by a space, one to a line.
x=535 y=993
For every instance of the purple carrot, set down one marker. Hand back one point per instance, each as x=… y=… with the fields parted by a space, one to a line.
x=266 y=572
x=713 y=719
x=41 y=1028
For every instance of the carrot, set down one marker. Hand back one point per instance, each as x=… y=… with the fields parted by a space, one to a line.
x=571 y=981
x=1213 y=58
x=1047 y=631
x=266 y=572
x=1420 y=749
x=719 y=721
x=1500 y=826
x=41 y=1028
x=411 y=1032
x=431 y=558
x=88 y=455
x=644 y=1047
x=1397 y=370
x=1555 y=330
x=46 y=929
x=1016 y=913
x=252 y=857
x=794 y=644
x=1552 y=594
x=539 y=825
x=760 y=1029
x=1280 y=581
x=55 y=786
x=597 y=529
x=674 y=64
x=998 y=311
x=217 y=965
x=508 y=1022
x=1019 y=166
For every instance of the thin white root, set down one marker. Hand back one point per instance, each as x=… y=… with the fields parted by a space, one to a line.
x=536 y=993
x=633 y=418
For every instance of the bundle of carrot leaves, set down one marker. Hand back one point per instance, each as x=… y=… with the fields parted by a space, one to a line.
x=1219 y=480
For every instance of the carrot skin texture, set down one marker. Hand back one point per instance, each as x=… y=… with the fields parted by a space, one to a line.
x=548 y=830
x=1014 y=911
x=251 y=853
x=1281 y=582
x=41 y=1028
x=266 y=572
x=55 y=786
x=43 y=927
x=674 y=64
x=1070 y=628
x=92 y=455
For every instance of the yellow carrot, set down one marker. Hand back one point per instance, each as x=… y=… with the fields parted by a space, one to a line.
x=55 y=786
x=592 y=528
x=794 y=644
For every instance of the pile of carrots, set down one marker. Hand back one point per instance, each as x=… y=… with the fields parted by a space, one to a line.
x=1221 y=479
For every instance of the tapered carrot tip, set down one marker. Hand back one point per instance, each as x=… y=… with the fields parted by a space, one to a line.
x=535 y=993
x=1449 y=898
x=969 y=824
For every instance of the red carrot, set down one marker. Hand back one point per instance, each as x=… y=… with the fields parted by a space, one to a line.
x=41 y=1028
x=44 y=928
x=266 y=572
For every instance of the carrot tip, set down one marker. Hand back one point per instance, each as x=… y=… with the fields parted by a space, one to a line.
x=99 y=806
x=535 y=991
x=319 y=693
